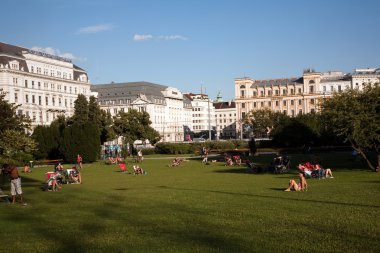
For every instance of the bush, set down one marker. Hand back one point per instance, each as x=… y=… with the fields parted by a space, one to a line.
x=149 y=151
x=173 y=148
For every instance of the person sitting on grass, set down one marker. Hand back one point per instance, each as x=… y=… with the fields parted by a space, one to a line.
x=26 y=168
x=76 y=176
x=301 y=186
x=111 y=160
x=59 y=168
x=176 y=162
x=328 y=173
x=53 y=180
x=138 y=170
x=229 y=161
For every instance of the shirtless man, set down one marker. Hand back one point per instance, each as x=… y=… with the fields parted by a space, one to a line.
x=15 y=182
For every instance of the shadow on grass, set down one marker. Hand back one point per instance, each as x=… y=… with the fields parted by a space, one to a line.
x=107 y=219
x=274 y=197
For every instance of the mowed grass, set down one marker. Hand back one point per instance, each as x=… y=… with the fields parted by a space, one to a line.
x=197 y=208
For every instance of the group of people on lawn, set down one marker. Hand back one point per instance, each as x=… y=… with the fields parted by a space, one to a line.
x=308 y=170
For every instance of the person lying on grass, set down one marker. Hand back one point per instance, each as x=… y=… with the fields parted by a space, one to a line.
x=301 y=186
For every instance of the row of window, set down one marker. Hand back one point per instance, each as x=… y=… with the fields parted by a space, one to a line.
x=224 y=115
x=58 y=74
x=39 y=115
x=53 y=87
x=277 y=103
x=33 y=99
x=284 y=92
x=292 y=112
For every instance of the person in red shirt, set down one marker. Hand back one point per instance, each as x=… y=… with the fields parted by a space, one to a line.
x=79 y=161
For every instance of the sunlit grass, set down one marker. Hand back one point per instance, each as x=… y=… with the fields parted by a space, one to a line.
x=196 y=208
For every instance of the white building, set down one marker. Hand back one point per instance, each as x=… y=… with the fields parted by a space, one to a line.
x=169 y=110
x=361 y=77
x=43 y=85
x=226 y=120
x=203 y=114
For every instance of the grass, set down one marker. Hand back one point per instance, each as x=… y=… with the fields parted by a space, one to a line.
x=197 y=208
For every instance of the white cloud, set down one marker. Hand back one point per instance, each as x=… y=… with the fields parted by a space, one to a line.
x=171 y=37
x=57 y=52
x=146 y=37
x=142 y=37
x=95 y=29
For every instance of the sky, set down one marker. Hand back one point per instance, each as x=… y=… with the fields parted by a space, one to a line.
x=198 y=43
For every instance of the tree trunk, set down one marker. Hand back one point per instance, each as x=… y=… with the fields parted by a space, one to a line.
x=370 y=165
x=378 y=163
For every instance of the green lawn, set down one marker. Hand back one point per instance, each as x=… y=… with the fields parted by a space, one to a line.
x=197 y=208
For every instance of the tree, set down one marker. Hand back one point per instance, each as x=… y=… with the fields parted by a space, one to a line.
x=293 y=133
x=81 y=110
x=80 y=139
x=263 y=121
x=9 y=119
x=355 y=116
x=134 y=125
x=15 y=145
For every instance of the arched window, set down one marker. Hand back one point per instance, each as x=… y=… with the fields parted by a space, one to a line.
x=311 y=81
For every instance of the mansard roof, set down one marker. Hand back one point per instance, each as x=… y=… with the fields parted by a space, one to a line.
x=224 y=105
x=277 y=82
x=129 y=90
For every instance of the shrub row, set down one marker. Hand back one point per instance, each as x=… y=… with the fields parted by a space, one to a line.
x=195 y=147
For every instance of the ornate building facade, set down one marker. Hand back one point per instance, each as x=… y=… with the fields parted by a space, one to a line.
x=43 y=85
x=170 y=111
x=296 y=95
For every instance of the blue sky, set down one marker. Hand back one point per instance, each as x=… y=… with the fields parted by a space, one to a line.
x=186 y=44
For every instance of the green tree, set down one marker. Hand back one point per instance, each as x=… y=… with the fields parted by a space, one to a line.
x=134 y=125
x=80 y=139
x=81 y=114
x=355 y=116
x=15 y=145
x=264 y=121
x=9 y=119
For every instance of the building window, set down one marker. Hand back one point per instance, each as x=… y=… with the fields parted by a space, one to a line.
x=284 y=102
x=339 y=88
x=312 y=101
x=262 y=104
x=243 y=115
x=39 y=85
x=300 y=112
x=254 y=104
x=39 y=100
x=283 y=92
x=269 y=103
x=299 y=90
x=53 y=101
x=276 y=92
x=262 y=93
x=242 y=105
x=311 y=89
x=324 y=88
x=33 y=99
x=46 y=100
x=16 y=97
x=32 y=84
x=26 y=83
x=242 y=93
x=299 y=102
x=276 y=103
x=291 y=102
